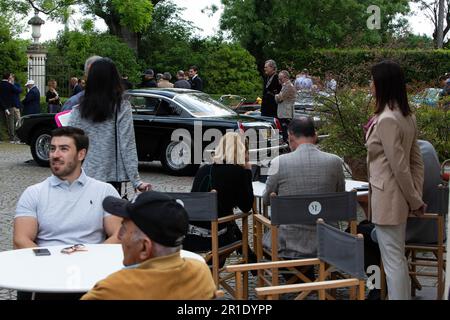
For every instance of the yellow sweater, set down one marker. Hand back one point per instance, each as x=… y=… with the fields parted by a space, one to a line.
x=170 y=277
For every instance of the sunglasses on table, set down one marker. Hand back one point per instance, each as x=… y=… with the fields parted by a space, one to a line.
x=74 y=248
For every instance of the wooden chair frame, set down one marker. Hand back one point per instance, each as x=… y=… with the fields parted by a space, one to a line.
x=213 y=256
x=261 y=222
x=217 y=252
x=439 y=251
x=438 y=262
x=321 y=284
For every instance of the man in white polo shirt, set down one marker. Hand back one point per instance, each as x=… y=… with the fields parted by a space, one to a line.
x=66 y=208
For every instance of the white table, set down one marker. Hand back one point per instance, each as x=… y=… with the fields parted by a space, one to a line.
x=76 y=272
x=259 y=187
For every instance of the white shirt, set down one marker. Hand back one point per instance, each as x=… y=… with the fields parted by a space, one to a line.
x=66 y=213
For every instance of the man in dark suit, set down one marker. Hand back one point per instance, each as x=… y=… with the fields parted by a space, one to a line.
x=148 y=80
x=195 y=80
x=31 y=103
x=272 y=87
x=8 y=111
x=76 y=87
x=126 y=84
x=181 y=81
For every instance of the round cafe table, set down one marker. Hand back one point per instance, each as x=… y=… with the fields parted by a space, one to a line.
x=63 y=273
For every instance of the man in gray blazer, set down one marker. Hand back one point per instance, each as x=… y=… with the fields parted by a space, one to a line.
x=306 y=170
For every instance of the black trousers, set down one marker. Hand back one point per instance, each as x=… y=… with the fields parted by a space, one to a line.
x=284 y=125
x=24 y=296
x=196 y=243
x=117 y=186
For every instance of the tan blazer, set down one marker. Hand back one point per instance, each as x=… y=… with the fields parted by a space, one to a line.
x=395 y=168
x=164 y=278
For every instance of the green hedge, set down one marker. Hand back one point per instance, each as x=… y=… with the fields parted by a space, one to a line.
x=353 y=65
x=434 y=126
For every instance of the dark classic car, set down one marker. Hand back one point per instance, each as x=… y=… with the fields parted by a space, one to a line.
x=176 y=126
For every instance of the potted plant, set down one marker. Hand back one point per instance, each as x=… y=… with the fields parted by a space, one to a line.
x=343 y=116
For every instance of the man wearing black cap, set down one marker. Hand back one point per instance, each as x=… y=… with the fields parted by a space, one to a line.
x=153 y=229
x=148 y=80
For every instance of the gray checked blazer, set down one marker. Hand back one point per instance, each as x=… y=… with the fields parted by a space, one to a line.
x=307 y=170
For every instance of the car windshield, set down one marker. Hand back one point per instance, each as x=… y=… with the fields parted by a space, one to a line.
x=202 y=105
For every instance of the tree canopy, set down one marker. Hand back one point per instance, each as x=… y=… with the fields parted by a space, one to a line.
x=12 y=51
x=266 y=26
x=67 y=54
x=124 y=18
x=169 y=45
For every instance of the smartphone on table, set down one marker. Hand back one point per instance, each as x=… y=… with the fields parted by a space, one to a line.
x=41 y=252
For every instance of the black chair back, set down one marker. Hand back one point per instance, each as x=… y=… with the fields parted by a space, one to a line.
x=306 y=209
x=341 y=250
x=200 y=206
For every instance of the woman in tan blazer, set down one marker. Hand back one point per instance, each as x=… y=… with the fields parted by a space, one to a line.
x=395 y=173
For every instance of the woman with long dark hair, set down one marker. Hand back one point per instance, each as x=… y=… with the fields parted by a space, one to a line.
x=107 y=119
x=395 y=169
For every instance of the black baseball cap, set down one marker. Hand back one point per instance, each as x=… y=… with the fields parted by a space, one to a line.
x=159 y=216
x=149 y=72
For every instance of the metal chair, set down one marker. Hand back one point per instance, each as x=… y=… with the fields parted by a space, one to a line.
x=202 y=206
x=336 y=250
x=305 y=210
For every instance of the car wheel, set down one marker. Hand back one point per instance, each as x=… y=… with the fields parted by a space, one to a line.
x=176 y=158
x=40 y=146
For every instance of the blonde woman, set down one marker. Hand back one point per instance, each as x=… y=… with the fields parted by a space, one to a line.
x=52 y=98
x=230 y=174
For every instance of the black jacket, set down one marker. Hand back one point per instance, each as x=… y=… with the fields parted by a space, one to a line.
x=76 y=90
x=31 y=103
x=196 y=83
x=7 y=92
x=148 y=84
x=269 y=105
x=233 y=184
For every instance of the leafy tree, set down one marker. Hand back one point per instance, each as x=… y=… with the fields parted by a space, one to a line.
x=411 y=41
x=124 y=18
x=67 y=54
x=168 y=43
x=230 y=69
x=12 y=51
x=14 y=59
x=431 y=10
x=264 y=27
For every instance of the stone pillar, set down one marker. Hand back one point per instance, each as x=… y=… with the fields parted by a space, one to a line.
x=37 y=56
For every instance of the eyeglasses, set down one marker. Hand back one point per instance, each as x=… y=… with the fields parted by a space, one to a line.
x=72 y=249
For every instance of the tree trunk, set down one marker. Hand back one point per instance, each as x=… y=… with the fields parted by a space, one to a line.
x=440 y=27
x=129 y=37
